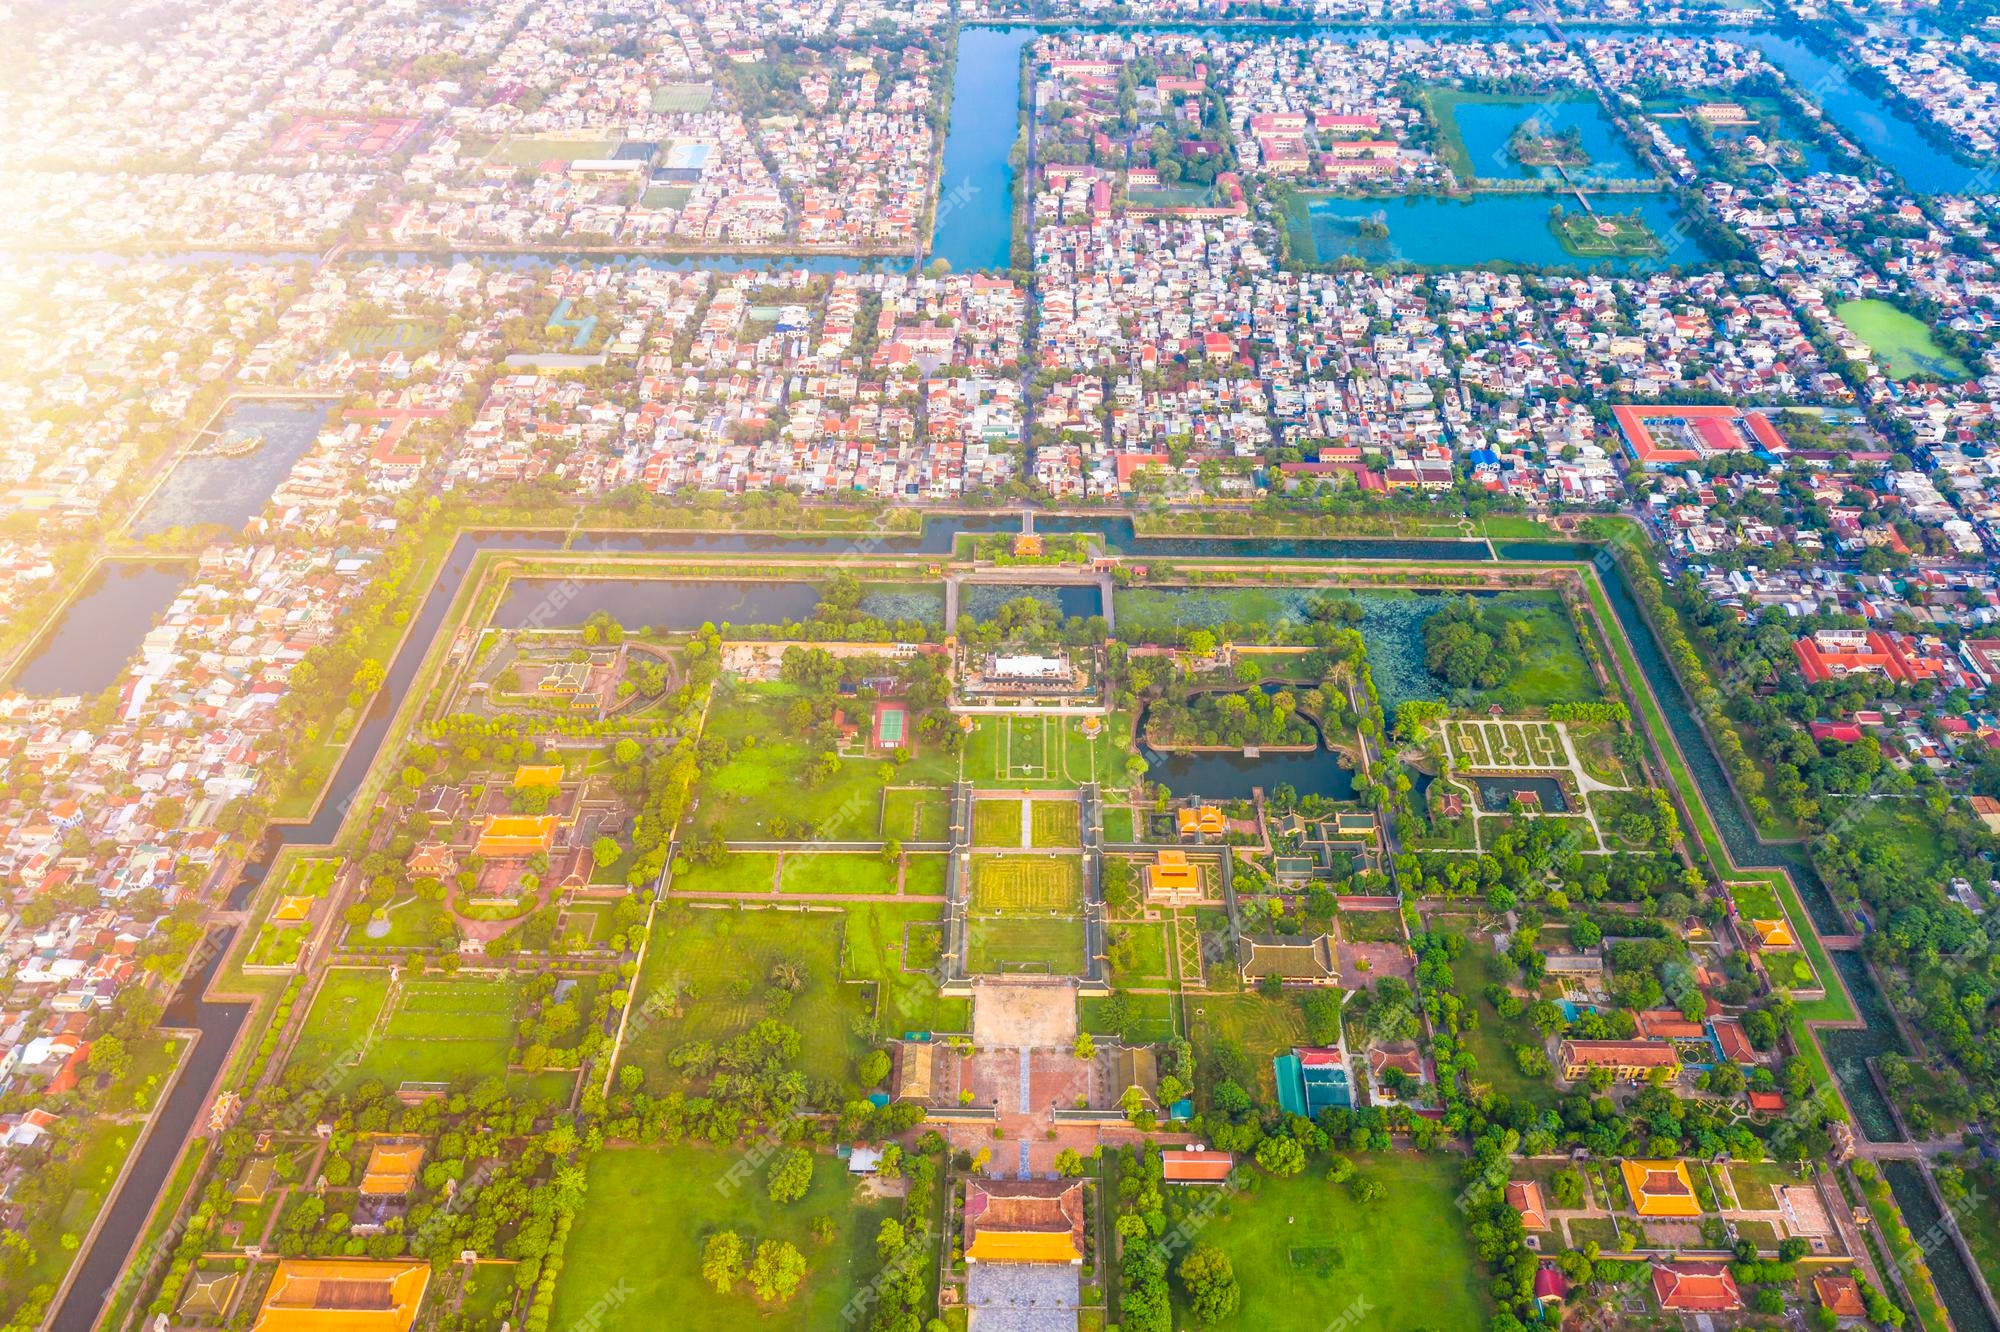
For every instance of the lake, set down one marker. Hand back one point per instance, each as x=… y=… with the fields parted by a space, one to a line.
x=230 y=491
x=1486 y=126
x=100 y=631
x=1434 y=231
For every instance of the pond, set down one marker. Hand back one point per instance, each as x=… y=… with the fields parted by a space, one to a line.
x=230 y=489
x=688 y=603
x=1232 y=775
x=982 y=601
x=1496 y=794
x=1432 y=230
x=1487 y=125
x=100 y=631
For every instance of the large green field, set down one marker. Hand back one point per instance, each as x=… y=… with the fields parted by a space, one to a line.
x=1492 y=1042
x=1905 y=347
x=769 y=758
x=896 y=946
x=634 y=1258
x=1000 y=944
x=1033 y=885
x=1306 y=1254
x=720 y=962
x=435 y=1030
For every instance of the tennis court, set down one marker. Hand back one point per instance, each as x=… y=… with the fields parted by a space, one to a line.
x=890 y=720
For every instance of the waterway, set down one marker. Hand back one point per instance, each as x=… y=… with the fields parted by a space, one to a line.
x=220 y=1022
x=975 y=213
x=1948 y=1271
x=208 y=489
x=100 y=630
x=1231 y=775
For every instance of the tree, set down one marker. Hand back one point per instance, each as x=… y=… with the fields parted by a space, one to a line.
x=604 y=851
x=874 y=1067
x=722 y=1261
x=1210 y=1282
x=1368 y=1191
x=1085 y=1047
x=1068 y=1164
x=1281 y=1156
x=791 y=1176
x=777 y=1270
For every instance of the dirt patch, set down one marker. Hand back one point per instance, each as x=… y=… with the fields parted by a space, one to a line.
x=1013 y=1016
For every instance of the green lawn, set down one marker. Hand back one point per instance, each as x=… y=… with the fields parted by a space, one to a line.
x=1046 y=752
x=1492 y=1042
x=830 y=872
x=915 y=814
x=1906 y=348
x=1305 y=1253
x=895 y=946
x=1246 y=1030
x=1142 y=949
x=923 y=875
x=740 y=798
x=673 y=98
x=1150 y=1018
x=1553 y=668
x=1000 y=944
x=634 y=1254
x=720 y=963
x=737 y=872
x=533 y=150
x=439 y=1030
x=1055 y=823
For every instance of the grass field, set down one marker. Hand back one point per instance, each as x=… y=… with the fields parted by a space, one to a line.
x=915 y=814
x=895 y=946
x=1027 y=885
x=1553 y=668
x=1055 y=823
x=435 y=1030
x=630 y=1258
x=1901 y=342
x=1151 y=1018
x=829 y=872
x=1042 y=752
x=1235 y=1037
x=533 y=150
x=720 y=962
x=1492 y=1042
x=682 y=98
x=737 y=872
x=737 y=796
x=999 y=944
x=923 y=875
x=1305 y=1252
x=1138 y=954
x=996 y=823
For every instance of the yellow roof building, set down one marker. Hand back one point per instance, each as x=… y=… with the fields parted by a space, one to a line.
x=391 y=1171
x=537 y=774
x=292 y=910
x=1022 y=1246
x=1206 y=819
x=343 y=1295
x=1660 y=1188
x=1172 y=877
x=516 y=834
x=1774 y=933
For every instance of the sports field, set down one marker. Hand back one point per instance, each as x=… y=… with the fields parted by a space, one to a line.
x=533 y=150
x=670 y=98
x=1027 y=886
x=1038 y=752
